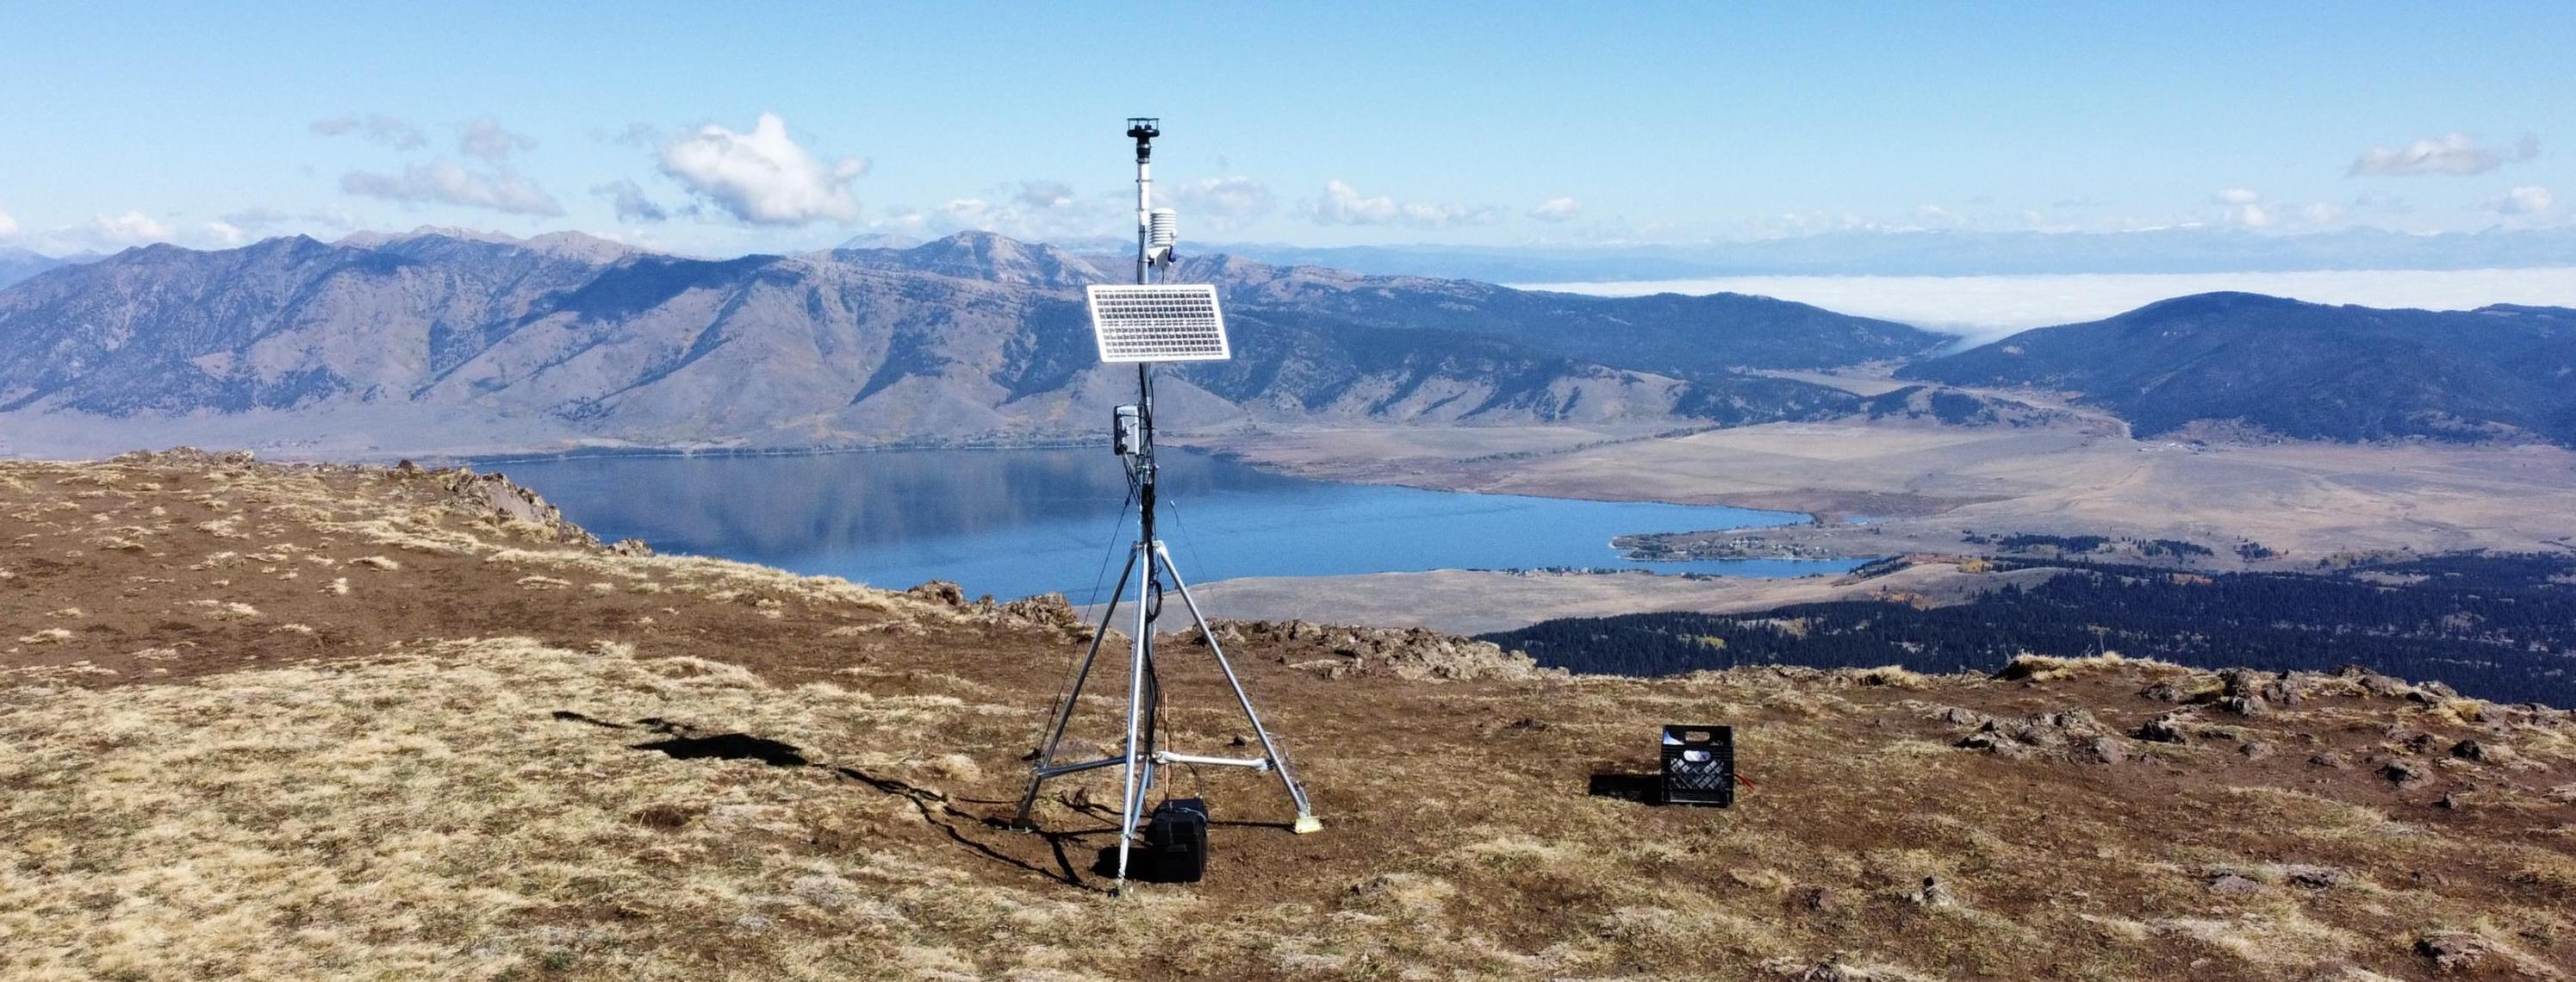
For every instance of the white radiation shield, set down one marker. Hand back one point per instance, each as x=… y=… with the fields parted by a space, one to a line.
x=1178 y=322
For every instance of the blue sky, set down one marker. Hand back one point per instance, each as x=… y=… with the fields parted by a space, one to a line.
x=1306 y=124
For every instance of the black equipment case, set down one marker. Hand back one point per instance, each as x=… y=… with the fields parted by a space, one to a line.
x=1176 y=841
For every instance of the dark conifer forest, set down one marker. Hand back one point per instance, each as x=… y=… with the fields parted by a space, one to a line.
x=2498 y=627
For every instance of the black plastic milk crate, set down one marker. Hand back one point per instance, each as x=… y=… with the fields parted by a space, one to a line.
x=1699 y=765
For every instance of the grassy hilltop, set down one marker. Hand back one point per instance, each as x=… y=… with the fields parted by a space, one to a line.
x=285 y=722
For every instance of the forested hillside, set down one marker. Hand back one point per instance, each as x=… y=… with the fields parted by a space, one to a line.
x=2500 y=627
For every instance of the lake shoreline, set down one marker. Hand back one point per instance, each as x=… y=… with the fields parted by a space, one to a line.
x=1030 y=521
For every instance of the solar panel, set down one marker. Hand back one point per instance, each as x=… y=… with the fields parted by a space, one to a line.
x=1158 y=323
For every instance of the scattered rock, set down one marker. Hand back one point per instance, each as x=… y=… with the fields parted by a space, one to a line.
x=1411 y=653
x=2255 y=749
x=1996 y=744
x=2471 y=749
x=2373 y=682
x=2241 y=691
x=1933 y=894
x=2071 y=734
x=2076 y=722
x=2314 y=877
x=1046 y=610
x=2283 y=691
x=2105 y=750
x=1822 y=900
x=939 y=592
x=2170 y=690
x=2232 y=885
x=2329 y=758
x=2402 y=773
x=1964 y=717
x=2170 y=727
x=2452 y=951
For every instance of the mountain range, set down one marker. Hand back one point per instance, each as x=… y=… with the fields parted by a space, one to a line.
x=973 y=337
x=2301 y=370
x=473 y=342
x=18 y=264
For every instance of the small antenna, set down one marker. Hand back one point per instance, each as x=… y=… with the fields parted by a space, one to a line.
x=1144 y=324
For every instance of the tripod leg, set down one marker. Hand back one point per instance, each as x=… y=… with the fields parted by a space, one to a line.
x=1073 y=695
x=1139 y=662
x=1306 y=820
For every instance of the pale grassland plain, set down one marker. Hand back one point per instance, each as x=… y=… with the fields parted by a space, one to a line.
x=1920 y=487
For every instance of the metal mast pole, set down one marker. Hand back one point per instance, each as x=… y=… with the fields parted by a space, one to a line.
x=1142 y=688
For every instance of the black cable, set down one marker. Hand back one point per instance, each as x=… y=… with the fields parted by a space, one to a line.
x=1066 y=685
x=1189 y=543
x=1112 y=551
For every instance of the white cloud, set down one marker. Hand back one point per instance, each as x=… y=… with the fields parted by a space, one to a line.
x=2526 y=200
x=2450 y=153
x=483 y=137
x=633 y=135
x=1224 y=203
x=1344 y=205
x=2244 y=207
x=8 y=225
x=1030 y=210
x=903 y=220
x=1044 y=194
x=2322 y=213
x=632 y=205
x=1562 y=209
x=381 y=128
x=1050 y=219
x=762 y=176
x=118 y=231
x=111 y=233
x=448 y=182
x=258 y=216
x=974 y=213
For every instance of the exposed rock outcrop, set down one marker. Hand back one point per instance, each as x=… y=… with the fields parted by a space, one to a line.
x=1413 y=653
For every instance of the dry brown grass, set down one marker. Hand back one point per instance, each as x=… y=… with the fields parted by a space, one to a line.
x=427 y=767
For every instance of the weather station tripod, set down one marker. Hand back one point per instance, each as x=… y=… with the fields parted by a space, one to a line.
x=1145 y=324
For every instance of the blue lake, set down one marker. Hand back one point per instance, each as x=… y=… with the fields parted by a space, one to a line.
x=1017 y=522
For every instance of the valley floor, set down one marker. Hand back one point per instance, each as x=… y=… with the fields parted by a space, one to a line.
x=343 y=722
x=1919 y=487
